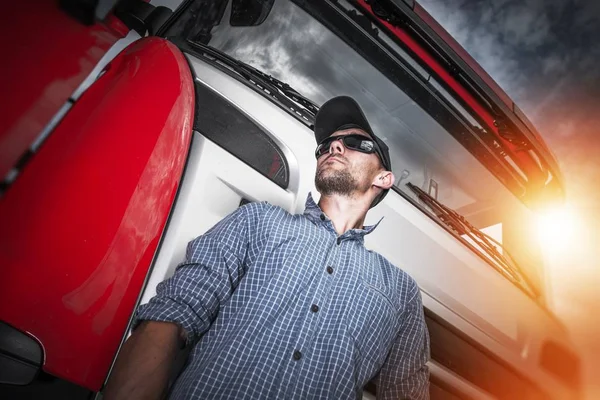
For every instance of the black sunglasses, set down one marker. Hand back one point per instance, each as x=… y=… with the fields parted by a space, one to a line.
x=353 y=142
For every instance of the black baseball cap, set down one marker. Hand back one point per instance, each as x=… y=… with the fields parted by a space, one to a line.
x=343 y=112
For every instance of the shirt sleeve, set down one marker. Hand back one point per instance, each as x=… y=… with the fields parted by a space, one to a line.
x=214 y=265
x=405 y=374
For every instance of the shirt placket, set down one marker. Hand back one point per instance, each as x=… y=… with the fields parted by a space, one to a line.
x=315 y=308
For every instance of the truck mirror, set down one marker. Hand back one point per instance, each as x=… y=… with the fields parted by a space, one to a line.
x=249 y=12
x=142 y=17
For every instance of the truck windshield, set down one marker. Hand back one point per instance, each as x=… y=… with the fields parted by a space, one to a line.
x=434 y=142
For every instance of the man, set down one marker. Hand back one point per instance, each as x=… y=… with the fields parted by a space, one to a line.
x=288 y=306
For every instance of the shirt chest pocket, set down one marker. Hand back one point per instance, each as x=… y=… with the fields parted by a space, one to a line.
x=371 y=322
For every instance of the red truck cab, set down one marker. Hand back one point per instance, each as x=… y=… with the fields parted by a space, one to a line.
x=111 y=163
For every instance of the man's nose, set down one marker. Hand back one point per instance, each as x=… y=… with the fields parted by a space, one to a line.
x=337 y=147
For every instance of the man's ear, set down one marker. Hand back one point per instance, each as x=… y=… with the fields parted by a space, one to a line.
x=384 y=180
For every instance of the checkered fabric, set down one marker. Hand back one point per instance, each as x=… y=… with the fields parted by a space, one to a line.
x=278 y=306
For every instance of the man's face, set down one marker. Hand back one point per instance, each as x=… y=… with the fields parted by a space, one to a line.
x=346 y=172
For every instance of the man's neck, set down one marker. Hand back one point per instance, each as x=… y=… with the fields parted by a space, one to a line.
x=345 y=212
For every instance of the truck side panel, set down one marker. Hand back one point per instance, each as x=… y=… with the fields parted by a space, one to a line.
x=82 y=222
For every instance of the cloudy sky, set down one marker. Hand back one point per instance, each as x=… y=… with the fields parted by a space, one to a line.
x=545 y=54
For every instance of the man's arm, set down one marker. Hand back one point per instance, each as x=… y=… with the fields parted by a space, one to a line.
x=145 y=362
x=185 y=305
x=405 y=374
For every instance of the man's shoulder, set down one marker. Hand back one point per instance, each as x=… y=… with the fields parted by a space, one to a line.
x=268 y=212
x=256 y=207
x=259 y=209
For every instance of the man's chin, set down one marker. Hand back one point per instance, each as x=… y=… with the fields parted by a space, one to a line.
x=334 y=183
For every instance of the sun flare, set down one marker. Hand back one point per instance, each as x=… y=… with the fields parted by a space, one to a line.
x=557 y=230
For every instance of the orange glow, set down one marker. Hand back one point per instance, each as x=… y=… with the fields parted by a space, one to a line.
x=557 y=230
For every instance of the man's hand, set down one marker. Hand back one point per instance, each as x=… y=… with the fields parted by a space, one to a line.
x=145 y=363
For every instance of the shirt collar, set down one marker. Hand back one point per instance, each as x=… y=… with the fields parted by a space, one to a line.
x=313 y=212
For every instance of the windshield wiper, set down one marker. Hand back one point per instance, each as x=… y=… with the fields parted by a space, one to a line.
x=282 y=92
x=507 y=266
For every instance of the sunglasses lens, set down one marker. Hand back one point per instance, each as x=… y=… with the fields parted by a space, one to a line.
x=322 y=149
x=353 y=142
x=359 y=143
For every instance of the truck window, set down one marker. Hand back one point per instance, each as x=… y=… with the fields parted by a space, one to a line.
x=221 y=122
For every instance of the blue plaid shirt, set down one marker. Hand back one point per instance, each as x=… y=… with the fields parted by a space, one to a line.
x=281 y=307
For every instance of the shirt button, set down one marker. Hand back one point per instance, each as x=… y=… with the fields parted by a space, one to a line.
x=322 y=216
x=339 y=240
x=329 y=270
x=314 y=308
x=297 y=355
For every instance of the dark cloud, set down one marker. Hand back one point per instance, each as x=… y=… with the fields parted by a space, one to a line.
x=545 y=56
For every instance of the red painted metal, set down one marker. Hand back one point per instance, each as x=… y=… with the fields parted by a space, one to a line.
x=522 y=158
x=47 y=54
x=81 y=224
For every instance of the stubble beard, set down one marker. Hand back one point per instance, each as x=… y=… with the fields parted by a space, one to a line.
x=339 y=182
